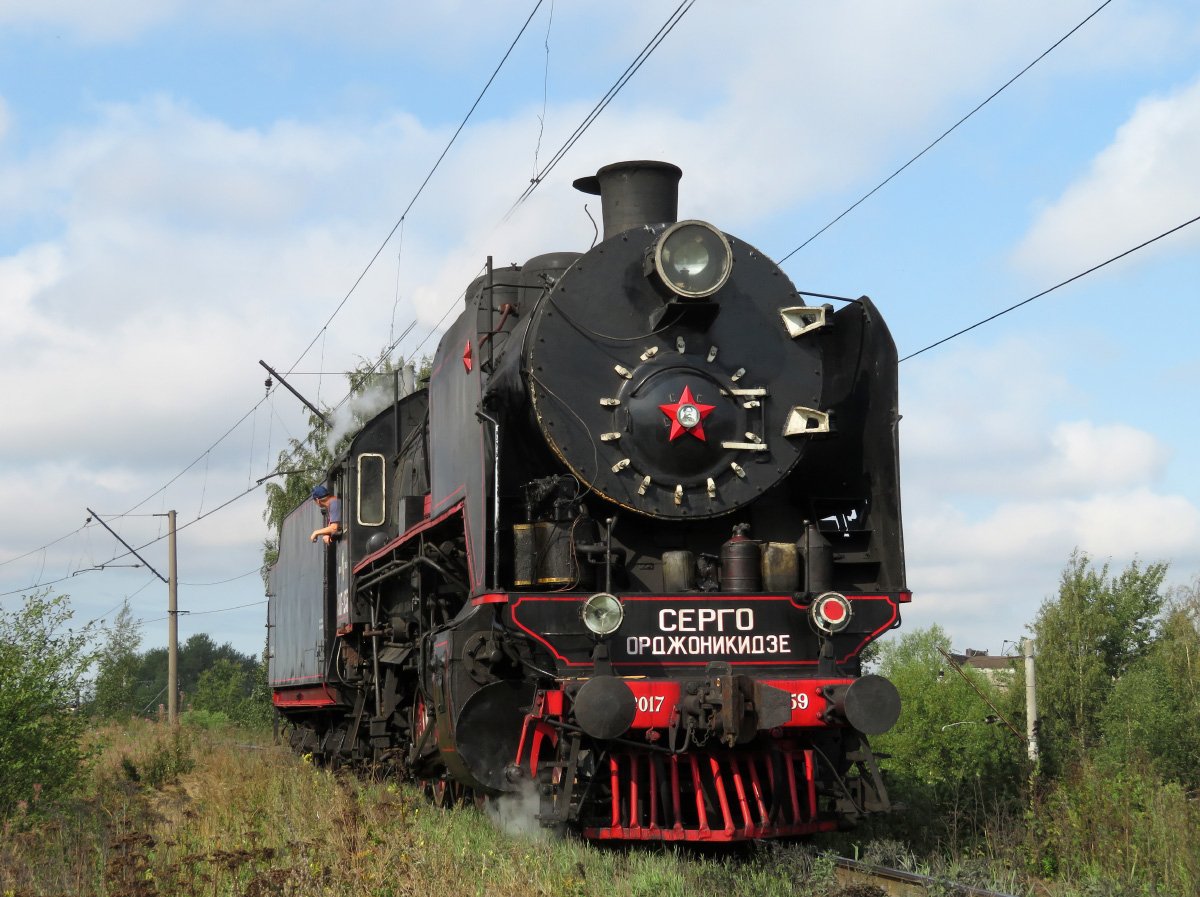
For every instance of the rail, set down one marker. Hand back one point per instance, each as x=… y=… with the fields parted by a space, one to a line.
x=897 y=883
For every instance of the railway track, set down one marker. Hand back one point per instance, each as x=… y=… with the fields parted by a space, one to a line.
x=896 y=883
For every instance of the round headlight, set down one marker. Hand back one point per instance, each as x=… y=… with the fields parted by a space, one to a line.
x=602 y=614
x=693 y=259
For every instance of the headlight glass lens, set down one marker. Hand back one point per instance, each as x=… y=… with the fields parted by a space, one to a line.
x=602 y=614
x=831 y=612
x=693 y=259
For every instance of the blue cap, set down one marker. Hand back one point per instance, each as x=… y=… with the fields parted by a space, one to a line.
x=320 y=492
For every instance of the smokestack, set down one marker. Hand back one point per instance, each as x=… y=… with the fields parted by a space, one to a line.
x=635 y=193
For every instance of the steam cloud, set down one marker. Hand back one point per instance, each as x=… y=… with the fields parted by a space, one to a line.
x=361 y=408
x=515 y=813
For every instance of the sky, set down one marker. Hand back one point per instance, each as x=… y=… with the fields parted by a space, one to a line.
x=187 y=188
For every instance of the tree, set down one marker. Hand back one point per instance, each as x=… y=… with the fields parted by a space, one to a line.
x=259 y=708
x=945 y=733
x=1152 y=716
x=305 y=462
x=236 y=691
x=222 y=688
x=116 y=679
x=1088 y=637
x=198 y=654
x=43 y=663
x=947 y=760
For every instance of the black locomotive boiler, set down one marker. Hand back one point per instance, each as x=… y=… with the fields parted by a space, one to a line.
x=624 y=550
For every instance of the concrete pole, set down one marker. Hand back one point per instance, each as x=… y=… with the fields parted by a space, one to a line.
x=1031 y=713
x=172 y=626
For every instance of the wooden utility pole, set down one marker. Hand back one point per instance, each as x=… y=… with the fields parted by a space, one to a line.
x=172 y=626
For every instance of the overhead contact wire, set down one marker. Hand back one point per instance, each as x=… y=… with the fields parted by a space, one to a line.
x=421 y=189
x=407 y=209
x=945 y=133
x=998 y=314
x=667 y=27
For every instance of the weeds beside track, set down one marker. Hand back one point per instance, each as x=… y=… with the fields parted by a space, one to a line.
x=205 y=813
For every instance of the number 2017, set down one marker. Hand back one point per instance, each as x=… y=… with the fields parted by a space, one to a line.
x=651 y=703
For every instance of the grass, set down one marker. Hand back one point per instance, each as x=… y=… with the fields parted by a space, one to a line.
x=212 y=810
x=219 y=812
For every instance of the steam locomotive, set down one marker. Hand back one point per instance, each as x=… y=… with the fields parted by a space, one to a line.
x=624 y=549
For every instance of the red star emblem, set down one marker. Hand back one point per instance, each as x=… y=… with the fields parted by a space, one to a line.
x=686 y=415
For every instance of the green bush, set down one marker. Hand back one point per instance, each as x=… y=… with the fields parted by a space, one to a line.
x=952 y=768
x=117 y=668
x=208 y=720
x=167 y=759
x=42 y=667
x=231 y=690
x=1121 y=825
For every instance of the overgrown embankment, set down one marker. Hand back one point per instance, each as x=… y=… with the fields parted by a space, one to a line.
x=217 y=812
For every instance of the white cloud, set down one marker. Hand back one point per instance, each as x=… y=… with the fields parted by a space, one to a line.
x=1085 y=456
x=22 y=277
x=1001 y=483
x=175 y=249
x=1143 y=183
x=112 y=20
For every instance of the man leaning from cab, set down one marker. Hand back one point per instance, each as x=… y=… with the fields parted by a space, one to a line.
x=331 y=506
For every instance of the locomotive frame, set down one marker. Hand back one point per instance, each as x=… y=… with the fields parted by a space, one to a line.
x=537 y=587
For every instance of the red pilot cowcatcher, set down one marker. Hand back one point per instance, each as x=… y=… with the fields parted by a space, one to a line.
x=686 y=415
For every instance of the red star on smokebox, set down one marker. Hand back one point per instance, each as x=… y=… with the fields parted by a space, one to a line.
x=686 y=415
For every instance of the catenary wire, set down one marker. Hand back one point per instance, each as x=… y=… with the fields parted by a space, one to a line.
x=940 y=342
x=680 y=11
x=667 y=27
x=421 y=189
x=945 y=133
x=33 y=551
x=436 y=326
x=545 y=91
x=178 y=529
x=221 y=582
x=100 y=619
x=629 y=72
x=407 y=209
x=998 y=314
x=201 y=613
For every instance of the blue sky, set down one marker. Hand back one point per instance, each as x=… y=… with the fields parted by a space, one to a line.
x=187 y=188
